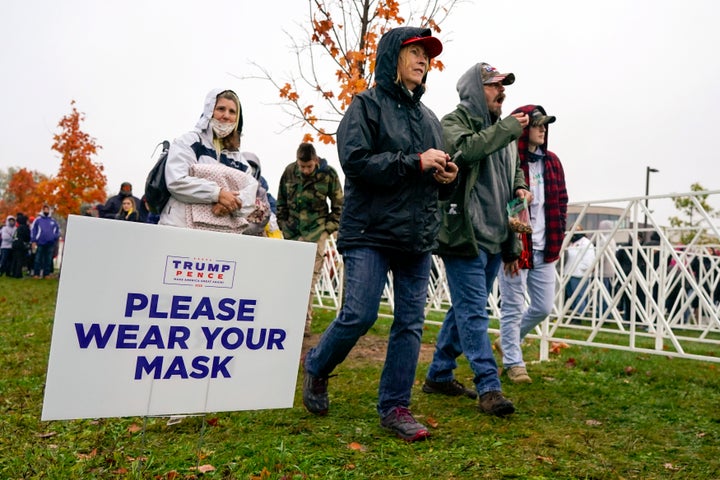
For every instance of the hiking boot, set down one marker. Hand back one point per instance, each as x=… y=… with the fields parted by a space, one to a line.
x=495 y=404
x=401 y=421
x=453 y=388
x=315 y=396
x=518 y=374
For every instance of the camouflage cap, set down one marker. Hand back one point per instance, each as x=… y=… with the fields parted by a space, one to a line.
x=537 y=118
x=490 y=74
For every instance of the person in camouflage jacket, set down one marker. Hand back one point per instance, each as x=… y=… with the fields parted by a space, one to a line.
x=303 y=212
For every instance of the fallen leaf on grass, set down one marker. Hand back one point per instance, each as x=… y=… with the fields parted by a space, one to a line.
x=139 y=459
x=264 y=474
x=670 y=466
x=593 y=422
x=28 y=335
x=204 y=468
x=86 y=456
x=120 y=471
x=213 y=422
x=555 y=347
x=432 y=422
x=46 y=434
x=356 y=446
x=134 y=428
x=542 y=459
x=571 y=363
x=171 y=475
x=629 y=370
x=349 y=466
x=701 y=434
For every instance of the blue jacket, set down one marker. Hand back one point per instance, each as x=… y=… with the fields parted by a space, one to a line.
x=45 y=231
x=389 y=201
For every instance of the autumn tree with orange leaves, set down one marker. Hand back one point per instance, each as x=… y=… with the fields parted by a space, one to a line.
x=342 y=38
x=20 y=193
x=79 y=179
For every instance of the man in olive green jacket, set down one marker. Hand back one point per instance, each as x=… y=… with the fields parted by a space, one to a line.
x=475 y=236
x=303 y=213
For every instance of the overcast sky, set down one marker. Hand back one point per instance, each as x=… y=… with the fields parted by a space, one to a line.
x=633 y=83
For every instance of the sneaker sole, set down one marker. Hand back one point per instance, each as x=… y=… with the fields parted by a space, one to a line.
x=419 y=436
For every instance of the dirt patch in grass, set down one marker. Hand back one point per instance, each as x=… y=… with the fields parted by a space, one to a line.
x=370 y=348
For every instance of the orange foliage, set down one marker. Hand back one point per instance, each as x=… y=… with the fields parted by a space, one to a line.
x=351 y=46
x=79 y=179
x=21 y=194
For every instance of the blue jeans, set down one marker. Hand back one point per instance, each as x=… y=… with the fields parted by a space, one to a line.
x=43 y=259
x=366 y=271
x=464 y=329
x=516 y=320
x=580 y=302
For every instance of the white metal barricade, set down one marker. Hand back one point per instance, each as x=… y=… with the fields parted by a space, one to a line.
x=662 y=297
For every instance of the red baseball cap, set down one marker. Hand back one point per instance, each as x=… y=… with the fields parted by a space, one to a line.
x=433 y=46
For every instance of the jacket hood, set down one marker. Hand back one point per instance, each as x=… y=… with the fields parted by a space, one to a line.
x=523 y=142
x=209 y=107
x=386 y=58
x=8 y=218
x=472 y=94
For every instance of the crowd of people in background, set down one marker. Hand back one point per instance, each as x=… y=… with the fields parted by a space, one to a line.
x=29 y=245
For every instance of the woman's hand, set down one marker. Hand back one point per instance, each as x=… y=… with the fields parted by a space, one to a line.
x=448 y=174
x=219 y=211
x=228 y=200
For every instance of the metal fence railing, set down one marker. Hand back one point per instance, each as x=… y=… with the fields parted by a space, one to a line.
x=653 y=296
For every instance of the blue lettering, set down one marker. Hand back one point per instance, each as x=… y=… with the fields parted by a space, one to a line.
x=176 y=368
x=277 y=336
x=239 y=337
x=210 y=336
x=246 y=307
x=204 y=309
x=180 y=303
x=213 y=267
x=178 y=336
x=142 y=365
x=94 y=333
x=154 y=313
x=225 y=268
x=135 y=302
x=153 y=337
x=200 y=368
x=127 y=334
x=218 y=367
x=256 y=345
x=224 y=306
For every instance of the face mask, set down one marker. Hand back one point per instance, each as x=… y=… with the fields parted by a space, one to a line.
x=222 y=130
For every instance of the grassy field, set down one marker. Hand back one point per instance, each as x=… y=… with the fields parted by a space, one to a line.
x=590 y=414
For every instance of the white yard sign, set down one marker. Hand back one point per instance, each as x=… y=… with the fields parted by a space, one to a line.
x=154 y=320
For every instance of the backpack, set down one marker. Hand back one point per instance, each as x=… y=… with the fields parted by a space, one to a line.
x=156 y=191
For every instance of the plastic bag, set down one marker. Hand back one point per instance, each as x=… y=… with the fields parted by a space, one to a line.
x=519 y=216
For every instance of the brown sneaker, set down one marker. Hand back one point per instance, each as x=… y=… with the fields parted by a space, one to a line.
x=495 y=403
x=518 y=374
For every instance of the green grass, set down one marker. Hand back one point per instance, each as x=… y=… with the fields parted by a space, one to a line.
x=590 y=414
